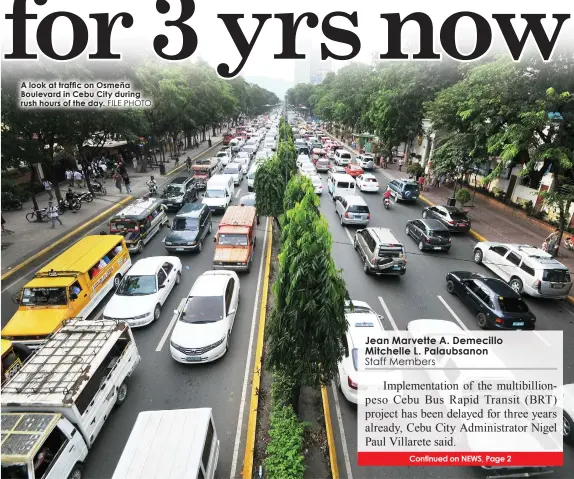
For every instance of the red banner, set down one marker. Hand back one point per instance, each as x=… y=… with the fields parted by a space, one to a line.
x=445 y=459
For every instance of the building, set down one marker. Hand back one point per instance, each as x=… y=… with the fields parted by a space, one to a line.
x=311 y=70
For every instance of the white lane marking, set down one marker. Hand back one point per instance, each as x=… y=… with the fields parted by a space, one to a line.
x=450 y=310
x=163 y=240
x=170 y=326
x=349 y=235
x=388 y=313
x=568 y=310
x=237 y=194
x=342 y=430
x=254 y=322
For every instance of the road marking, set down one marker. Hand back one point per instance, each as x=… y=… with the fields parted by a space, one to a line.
x=342 y=430
x=237 y=194
x=170 y=326
x=450 y=310
x=388 y=313
x=252 y=422
x=349 y=235
x=62 y=239
x=56 y=243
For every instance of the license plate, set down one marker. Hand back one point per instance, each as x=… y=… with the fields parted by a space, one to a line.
x=179 y=249
x=358 y=217
x=438 y=247
x=518 y=323
x=193 y=359
x=556 y=286
x=396 y=267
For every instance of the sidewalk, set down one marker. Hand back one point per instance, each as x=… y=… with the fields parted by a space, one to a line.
x=491 y=219
x=29 y=240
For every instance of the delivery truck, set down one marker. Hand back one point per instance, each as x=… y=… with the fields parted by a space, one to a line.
x=176 y=444
x=235 y=239
x=61 y=397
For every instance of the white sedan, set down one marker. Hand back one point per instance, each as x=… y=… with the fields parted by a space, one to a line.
x=204 y=324
x=143 y=290
x=317 y=184
x=368 y=182
x=307 y=169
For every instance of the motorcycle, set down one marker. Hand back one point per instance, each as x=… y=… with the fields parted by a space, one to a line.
x=87 y=197
x=73 y=204
x=387 y=203
x=10 y=202
x=98 y=188
x=152 y=189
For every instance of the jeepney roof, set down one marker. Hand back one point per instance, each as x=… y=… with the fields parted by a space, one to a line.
x=48 y=282
x=140 y=209
x=55 y=375
x=238 y=216
x=6 y=346
x=24 y=433
x=80 y=257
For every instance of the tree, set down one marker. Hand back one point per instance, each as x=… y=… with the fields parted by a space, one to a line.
x=308 y=323
x=300 y=94
x=269 y=185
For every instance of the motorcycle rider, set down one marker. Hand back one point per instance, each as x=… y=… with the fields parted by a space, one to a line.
x=152 y=184
x=188 y=163
x=70 y=198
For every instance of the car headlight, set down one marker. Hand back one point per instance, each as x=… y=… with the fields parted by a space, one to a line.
x=174 y=345
x=191 y=243
x=141 y=316
x=168 y=243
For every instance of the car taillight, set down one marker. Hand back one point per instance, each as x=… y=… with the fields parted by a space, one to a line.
x=499 y=321
x=451 y=222
x=346 y=214
x=352 y=384
x=368 y=216
x=536 y=285
x=427 y=240
x=374 y=260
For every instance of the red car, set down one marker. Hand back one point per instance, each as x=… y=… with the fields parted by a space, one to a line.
x=354 y=170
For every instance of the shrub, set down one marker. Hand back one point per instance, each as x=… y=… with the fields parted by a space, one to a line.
x=463 y=196
x=528 y=207
x=498 y=193
x=415 y=169
x=284 y=457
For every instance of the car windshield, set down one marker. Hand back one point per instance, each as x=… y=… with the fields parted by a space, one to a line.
x=439 y=234
x=137 y=285
x=123 y=225
x=370 y=179
x=458 y=215
x=316 y=180
x=410 y=187
x=512 y=305
x=556 y=275
x=233 y=240
x=174 y=190
x=358 y=209
x=215 y=194
x=230 y=170
x=203 y=309
x=345 y=156
x=186 y=224
x=44 y=296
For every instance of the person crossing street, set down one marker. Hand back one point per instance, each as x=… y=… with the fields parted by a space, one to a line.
x=54 y=214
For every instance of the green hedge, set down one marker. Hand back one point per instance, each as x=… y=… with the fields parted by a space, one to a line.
x=284 y=450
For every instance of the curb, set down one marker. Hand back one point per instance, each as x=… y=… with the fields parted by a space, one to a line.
x=479 y=237
x=66 y=237
x=180 y=167
x=256 y=380
x=330 y=434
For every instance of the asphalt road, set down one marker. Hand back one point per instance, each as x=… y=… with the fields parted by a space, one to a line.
x=159 y=382
x=419 y=294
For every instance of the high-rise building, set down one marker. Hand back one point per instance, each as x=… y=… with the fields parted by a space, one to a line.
x=311 y=70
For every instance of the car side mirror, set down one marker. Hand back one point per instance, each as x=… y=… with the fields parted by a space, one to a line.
x=231 y=311
x=161 y=286
x=73 y=296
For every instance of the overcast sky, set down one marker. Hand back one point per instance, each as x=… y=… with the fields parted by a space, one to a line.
x=216 y=45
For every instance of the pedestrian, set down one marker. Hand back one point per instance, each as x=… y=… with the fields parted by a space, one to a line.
x=401 y=163
x=176 y=161
x=118 y=179
x=54 y=214
x=135 y=163
x=78 y=176
x=127 y=183
x=552 y=243
x=48 y=187
x=103 y=169
x=70 y=177
x=421 y=182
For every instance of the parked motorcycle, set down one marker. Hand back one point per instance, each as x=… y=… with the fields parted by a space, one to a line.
x=98 y=188
x=387 y=203
x=10 y=202
x=73 y=204
x=87 y=197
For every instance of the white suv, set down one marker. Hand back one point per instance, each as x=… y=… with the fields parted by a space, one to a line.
x=364 y=323
x=525 y=268
x=366 y=162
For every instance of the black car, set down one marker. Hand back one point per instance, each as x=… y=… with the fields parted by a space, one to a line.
x=189 y=228
x=452 y=217
x=430 y=234
x=495 y=304
x=180 y=191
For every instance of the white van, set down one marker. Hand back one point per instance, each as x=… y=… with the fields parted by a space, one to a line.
x=218 y=192
x=251 y=177
x=340 y=184
x=175 y=444
x=342 y=157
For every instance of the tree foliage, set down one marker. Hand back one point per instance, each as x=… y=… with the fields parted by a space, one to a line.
x=269 y=184
x=300 y=94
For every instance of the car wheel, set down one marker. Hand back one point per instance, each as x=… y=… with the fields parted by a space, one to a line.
x=477 y=256
x=366 y=267
x=516 y=285
x=450 y=286
x=481 y=321
x=156 y=312
x=421 y=246
x=338 y=382
x=227 y=342
x=356 y=245
x=424 y=214
x=568 y=428
x=117 y=281
x=407 y=231
x=76 y=472
x=200 y=247
x=122 y=394
x=177 y=279
x=209 y=229
x=341 y=220
x=140 y=246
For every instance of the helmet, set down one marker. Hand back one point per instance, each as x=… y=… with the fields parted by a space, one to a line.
x=152 y=177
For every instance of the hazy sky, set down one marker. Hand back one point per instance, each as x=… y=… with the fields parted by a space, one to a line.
x=216 y=45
